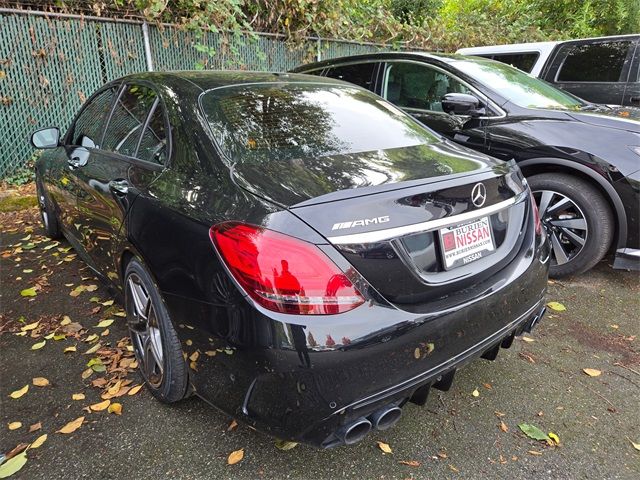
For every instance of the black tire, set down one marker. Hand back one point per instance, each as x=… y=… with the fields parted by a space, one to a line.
x=172 y=383
x=49 y=219
x=578 y=203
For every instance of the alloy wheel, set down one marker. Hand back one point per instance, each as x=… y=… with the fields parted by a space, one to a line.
x=145 y=331
x=564 y=223
x=43 y=210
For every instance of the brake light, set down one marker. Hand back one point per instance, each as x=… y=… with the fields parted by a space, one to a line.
x=536 y=214
x=282 y=273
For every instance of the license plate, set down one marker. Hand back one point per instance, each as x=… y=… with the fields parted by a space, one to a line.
x=463 y=244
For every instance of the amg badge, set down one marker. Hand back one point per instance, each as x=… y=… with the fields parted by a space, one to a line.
x=360 y=223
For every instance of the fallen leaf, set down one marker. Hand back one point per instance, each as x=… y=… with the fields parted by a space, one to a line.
x=235 y=456
x=534 y=432
x=233 y=425
x=65 y=320
x=70 y=349
x=534 y=452
x=72 y=426
x=77 y=396
x=411 y=463
x=19 y=393
x=39 y=441
x=35 y=427
x=503 y=427
x=13 y=465
x=29 y=292
x=487 y=386
x=556 y=306
x=635 y=445
x=528 y=339
x=93 y=349
x=91 y=338
x=39 y=345
x=40 y=382
x=454 y=469
x=475 y=393
x=104 y=323
x=134 y=390
x=555 y=438
x=87 y=373
x=115 y=408
x=91 y=288
x=14 y=425
x=98 y=407
x=384 y=447
x=592 y=372
x=31 y=326
x=284 y=444
x=194 y=356
x=108 y=303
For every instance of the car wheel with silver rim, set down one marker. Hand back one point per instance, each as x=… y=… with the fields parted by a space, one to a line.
x=577 y=219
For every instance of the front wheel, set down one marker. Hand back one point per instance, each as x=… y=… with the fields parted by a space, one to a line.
x=155 y=342
x=577 y=219
x=48 y=216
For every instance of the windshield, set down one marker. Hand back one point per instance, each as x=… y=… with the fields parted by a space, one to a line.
x=280 y=122
x=517 y=86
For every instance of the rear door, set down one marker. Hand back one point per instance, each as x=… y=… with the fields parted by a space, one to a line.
x=596 y=71
x=132 y=153
x=632 y=91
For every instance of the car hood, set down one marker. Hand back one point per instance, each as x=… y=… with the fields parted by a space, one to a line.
x=318 y=180
x=621 y=118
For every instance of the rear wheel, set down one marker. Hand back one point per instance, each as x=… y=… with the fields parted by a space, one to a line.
x=48 y=216
x=577 y=219
x=155 y=342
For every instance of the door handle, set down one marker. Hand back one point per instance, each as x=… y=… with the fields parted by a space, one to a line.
x=119 y=187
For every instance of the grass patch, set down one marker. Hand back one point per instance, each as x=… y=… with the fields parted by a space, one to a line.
x=14 y=204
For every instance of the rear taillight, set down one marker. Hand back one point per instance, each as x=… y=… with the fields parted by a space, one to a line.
x=282 y=273
x=536 y=214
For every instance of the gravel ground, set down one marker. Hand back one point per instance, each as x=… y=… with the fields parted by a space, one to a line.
x=456 y=435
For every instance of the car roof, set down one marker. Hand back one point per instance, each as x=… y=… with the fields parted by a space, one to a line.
x=210 y=79
x=442 y=57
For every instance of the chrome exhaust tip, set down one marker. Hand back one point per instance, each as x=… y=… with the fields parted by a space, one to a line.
x=386 y=417
x=354 y=431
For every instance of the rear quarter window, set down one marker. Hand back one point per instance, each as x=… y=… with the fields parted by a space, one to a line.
x=523 y=61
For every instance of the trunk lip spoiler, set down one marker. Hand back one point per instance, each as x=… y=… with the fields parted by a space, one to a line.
x=394 y=232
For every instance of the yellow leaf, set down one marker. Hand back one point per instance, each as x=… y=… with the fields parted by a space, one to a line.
x=115 y=388
x=556 y=306
x=555 y=438
x=115 y=408
x=31 y=326
x=11 y=466
x=134 y=390
x=98 y=407
x=592 y=372
x=72 y=426
x=66 y=320
x=29 y=292
x=70 y=349
x=39 y=441
x=635 y=445
x=528 y=339
x=19 y=393
x=39 y=345
x=384 y=447
x=86 y=373
x=14 y=425
x=475 y=393
x=40 y=382
x=235 y=456
x=104 y=323
x=91 y=338
x=77 y=396
x=108 y=303
x=91 y=288
x=93 y=349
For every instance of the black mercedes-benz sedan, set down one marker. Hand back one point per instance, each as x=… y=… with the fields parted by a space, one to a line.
x=581 y=160
x=296 y=251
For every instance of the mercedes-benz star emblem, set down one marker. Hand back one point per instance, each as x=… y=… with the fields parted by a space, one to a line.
x=479 y=194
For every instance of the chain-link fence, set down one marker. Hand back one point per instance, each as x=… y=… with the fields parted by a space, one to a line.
x=50 y=63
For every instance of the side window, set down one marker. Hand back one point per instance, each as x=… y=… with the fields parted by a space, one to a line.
x=411 y=85
x=153 y=144
x=523 y=61
x=127 y=121
x=596 y=62
x=87 y=131
x=361 y=74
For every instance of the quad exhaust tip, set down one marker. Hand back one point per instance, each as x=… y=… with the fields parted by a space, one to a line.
x=386 y=417
x=354 y=431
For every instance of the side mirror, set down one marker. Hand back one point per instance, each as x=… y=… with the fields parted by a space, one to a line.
x=462 y=104
x=46 y=138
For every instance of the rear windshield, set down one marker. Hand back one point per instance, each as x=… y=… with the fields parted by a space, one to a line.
x=263 y=123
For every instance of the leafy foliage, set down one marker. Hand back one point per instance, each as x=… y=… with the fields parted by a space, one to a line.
x=432 y=24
